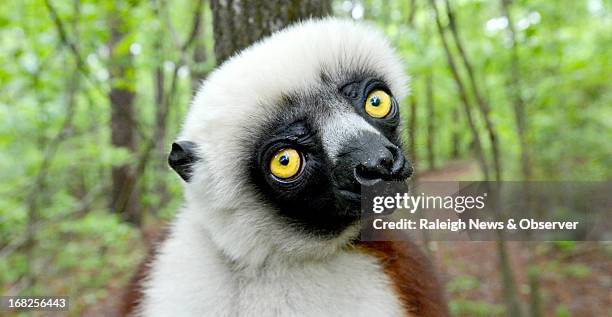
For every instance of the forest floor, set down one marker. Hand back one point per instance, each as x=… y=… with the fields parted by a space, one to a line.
x=575 y=279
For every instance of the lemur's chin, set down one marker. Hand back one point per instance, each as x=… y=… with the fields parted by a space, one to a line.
x=348 y=196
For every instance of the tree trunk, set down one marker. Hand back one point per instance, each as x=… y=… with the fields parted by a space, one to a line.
x=535 y=296
x=509 y=292
x=508 y=281
x=514 y=89
x=482 y=103
x=515 y=92
x=431 y=121
x=412 y=12
x=125 y=197
x=467 y=106
x=455 y=134
x=239 y=23
x=161 y=111
x=198 y=71
x=412 y=120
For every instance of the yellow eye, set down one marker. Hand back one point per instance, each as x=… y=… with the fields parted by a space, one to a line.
x=286 y=163
x=378 y=104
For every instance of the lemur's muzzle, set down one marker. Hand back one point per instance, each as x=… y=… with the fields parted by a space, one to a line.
x=369 y=158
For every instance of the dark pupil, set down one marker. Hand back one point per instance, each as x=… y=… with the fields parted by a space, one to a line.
x=284 y=160
x=375 y=101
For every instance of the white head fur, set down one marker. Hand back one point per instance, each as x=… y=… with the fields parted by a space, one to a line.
x=247 y=88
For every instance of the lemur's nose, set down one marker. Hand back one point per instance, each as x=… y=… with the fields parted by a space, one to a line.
x=368 y=158
x=381 y=161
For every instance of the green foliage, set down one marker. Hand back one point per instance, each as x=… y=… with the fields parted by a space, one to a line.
x=462 y=307
x=55 y=120
x=577 y=270
x=462 y=284
x=565 y=245
x=562 y=311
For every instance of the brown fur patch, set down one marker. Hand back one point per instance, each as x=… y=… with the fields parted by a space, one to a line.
x=412 y=275
x=132 y=295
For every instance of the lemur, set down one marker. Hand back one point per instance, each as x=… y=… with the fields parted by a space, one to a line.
x=273 y=152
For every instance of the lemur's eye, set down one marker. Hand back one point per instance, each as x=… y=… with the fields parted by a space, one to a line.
x=378 y=104
x=286 y=163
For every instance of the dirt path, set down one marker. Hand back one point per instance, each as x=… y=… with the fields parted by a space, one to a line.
x=453 y=171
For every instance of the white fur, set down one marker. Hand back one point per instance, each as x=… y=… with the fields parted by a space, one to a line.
x=228 y=255
x=341 y=127
x=192 y=277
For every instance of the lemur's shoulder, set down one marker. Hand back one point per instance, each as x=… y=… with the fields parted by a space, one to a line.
x=133 y=293
x=412 y=274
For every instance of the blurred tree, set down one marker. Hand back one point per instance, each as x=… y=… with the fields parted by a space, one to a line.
x=125 y=196
x=508 y=279
x=456 y=127
x=463 y=94
x=164 y=96
x=412 y=118
x=199 y=56
x=239 y=23
x=161 y=111
x=516 y=93
x=431 y=120
x=483 y=105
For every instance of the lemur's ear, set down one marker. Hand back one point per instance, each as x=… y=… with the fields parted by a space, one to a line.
x=181 y=158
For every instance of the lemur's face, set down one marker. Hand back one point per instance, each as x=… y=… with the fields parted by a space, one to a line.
x=293 y=127
x=311 y=158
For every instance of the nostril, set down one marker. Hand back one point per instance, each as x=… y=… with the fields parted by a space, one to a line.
x=402 y=168
x=386 y=162
x=395 y=151
x=366 y=175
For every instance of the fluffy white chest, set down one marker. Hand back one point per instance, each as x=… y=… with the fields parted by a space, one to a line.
x=348 y=285
x=192 y=278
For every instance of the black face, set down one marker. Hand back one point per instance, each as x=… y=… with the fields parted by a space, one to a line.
x=308 y=190
x=308 y=199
